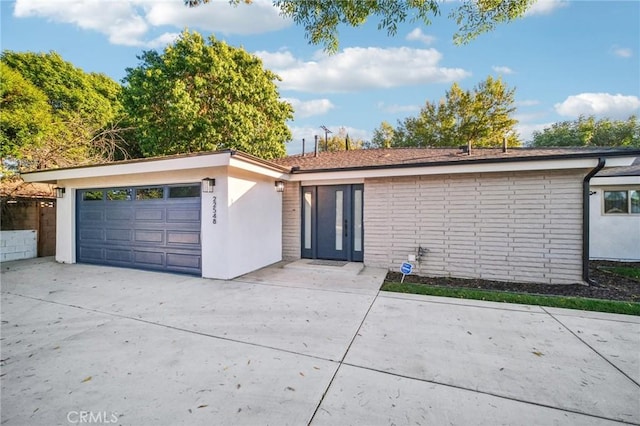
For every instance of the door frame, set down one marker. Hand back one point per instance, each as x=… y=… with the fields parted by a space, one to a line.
x=309 y=221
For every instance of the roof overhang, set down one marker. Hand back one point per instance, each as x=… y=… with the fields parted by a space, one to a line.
x=615 y=180
x=458 y=167
x=229 y=158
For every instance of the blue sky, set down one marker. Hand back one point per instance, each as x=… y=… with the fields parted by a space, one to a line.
x=565 y=58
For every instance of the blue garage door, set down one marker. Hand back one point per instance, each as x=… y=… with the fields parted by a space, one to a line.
x=151 y=227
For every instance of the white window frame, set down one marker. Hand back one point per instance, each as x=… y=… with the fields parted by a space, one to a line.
x=620 y=189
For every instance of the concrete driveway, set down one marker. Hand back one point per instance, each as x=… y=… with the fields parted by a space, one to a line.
x=295 y=345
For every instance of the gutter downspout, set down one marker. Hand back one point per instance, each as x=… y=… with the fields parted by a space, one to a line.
x=585 y=219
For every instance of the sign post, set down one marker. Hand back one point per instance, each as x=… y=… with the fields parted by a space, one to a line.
x=406 y=269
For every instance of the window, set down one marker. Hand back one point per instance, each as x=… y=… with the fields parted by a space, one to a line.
x=184 y=191
x=634 y=197
x=151 y=193
x=92 y=196
x=622 y=202
x=119 y=194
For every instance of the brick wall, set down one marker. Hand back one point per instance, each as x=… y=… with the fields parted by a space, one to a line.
x=518 y=226
x=16 y=245
x=291 y=221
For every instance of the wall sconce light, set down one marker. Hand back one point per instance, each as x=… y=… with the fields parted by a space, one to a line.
x=208 y=184
x=279 y=186
x=59 y=192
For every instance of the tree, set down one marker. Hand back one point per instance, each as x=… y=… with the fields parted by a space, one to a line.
x=200 y=95
x=321 y=18
x=56 y=115
x=339 y=141
x=72 y=93
x=382 y=136
x=26 y=114
x=481 y=117
x=587 y=131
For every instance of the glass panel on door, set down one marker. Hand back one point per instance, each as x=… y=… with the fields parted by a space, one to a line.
x=357 y=220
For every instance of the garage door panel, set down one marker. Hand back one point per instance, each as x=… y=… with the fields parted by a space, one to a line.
x=150 y=236
x=186 y=215
x=149 y=257
x=91 y=253
x=118 y=255
x=155 y=215
x=183 y=237
x=91 y=215
x=159 y=234
x=183 y=261
x=119 y=214
x=118 y=235
x=89 y=234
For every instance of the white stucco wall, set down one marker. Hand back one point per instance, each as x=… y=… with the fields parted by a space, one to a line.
x=247 y=233
x=255 y=224
x=66 y=226
x=612 y=237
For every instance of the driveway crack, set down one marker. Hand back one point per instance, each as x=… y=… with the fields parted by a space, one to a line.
x=341 y=362
x=592 y=348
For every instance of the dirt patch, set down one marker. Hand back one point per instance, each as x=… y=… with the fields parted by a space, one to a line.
x=606 y=285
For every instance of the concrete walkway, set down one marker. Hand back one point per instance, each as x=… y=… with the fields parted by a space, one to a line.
x=298 y=344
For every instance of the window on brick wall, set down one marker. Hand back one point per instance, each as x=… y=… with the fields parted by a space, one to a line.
x=622 y=201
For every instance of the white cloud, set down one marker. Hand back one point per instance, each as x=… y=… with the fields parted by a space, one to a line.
x=525 y=130
x=308 y=133
x=218 y=16
x=120 y=20
x=360 y=68
x=163 y=40
x=502 y=69
x=278 y=60
x=304 y=109
x=417 y=35
x=128 y=22
x=623 y=52
x=546 y=7
x=395 y=108
x=599 y=104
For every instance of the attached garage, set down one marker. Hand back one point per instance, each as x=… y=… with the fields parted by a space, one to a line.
x=215 y=214
x=148 y=227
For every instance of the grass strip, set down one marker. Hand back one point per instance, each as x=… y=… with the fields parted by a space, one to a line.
x=626 y=271
x=585 y=304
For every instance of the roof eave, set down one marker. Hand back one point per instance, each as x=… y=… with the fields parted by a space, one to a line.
x=602 y=154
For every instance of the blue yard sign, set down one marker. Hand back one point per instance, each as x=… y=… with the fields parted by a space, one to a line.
x=406 y=269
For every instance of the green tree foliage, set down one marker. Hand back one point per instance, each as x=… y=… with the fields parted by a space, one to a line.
x=481 y=117
x=200 y=95
x=26 y=114
x=383 y=136
x=587 y=131
x=321 y=18
x=72 y=93
x=65 y=116
x=338 y=142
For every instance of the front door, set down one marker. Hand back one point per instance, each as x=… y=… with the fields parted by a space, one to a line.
x=332 y=225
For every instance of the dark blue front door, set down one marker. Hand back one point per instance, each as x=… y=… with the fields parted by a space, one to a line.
x=332 y=222
x=154 y=227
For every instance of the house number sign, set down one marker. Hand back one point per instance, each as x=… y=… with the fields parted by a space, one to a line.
x=214 y=210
